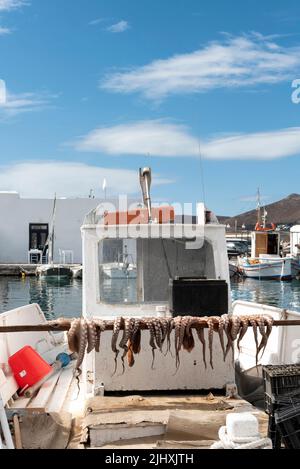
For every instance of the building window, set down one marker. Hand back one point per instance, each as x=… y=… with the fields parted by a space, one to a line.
x=38 y=234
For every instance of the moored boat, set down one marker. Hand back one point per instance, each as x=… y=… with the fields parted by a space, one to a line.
x=182 y=282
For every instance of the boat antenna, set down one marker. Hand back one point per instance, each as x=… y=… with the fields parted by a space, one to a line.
x=258 y=207
x=51 y=235
x=202 y=173
x=145 y=182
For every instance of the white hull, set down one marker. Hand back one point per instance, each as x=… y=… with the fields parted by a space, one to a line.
x=119 y=271
x=283 y=344
x=269 y=268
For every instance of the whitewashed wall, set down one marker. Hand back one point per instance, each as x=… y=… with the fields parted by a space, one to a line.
x=16 y=214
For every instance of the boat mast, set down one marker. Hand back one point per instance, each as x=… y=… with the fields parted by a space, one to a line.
x=145 y=181
x=51 y=236
x=258 y=208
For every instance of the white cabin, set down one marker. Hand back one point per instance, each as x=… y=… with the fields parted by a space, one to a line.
x=163 y=252
x=295 y=240
x=265 y=243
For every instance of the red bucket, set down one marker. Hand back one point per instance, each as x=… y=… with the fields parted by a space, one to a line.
x=28 y=367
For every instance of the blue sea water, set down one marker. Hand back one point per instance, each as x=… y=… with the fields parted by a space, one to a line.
x=64 y=297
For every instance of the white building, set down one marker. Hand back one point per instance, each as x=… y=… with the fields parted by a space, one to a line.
x=25 y=224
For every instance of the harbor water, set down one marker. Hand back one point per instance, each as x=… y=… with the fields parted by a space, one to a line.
x=64 y=297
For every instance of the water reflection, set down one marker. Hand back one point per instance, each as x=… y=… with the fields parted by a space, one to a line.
x=56 y=297
x=271 y=292
x=63 y=297
x=114 y=291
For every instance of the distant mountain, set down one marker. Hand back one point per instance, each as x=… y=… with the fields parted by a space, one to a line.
x=223 y=219
x=285 y=211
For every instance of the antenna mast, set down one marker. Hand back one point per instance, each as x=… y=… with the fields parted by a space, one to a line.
x=258 y=208
x=145 y=181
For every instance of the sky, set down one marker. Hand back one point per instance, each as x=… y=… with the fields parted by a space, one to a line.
x=206 y=93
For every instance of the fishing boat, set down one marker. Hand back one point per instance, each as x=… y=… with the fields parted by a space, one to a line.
x=266 y=260
x=182 y=279
x=124 y=268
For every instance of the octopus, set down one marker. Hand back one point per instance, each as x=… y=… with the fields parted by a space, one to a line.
x=92 y=336
x=265 y=325
x=235 y=327
x=73 y=334
x=78 y=340
x=126 y=339
x=234 y=331
x=221 y=335
x=243 y=330
x=150 y=325
x=188 y=342
x=84 y=335
x=227 y=329
x=164 y=324
x=158 y=333
x=262 y=330
x=211 y=322
x=100 y=327
x=136 y=337
x=252 y=320
x=118 y=322
x=178 y=338
x=130 y=354
x=134 y=342
x=198 y=324
x=170 y=329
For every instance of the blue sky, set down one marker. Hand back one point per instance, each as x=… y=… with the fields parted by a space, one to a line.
x=94 y=89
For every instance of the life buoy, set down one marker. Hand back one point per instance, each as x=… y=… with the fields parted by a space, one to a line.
x=259 y=227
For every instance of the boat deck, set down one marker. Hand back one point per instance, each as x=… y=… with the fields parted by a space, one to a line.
x=184 y=421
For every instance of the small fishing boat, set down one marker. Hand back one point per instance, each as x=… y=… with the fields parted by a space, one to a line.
x=182 y=285
x=266 y=260
x=124 y=268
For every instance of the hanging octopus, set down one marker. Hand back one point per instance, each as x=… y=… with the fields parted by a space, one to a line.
x=126 y=339
x=84 y=335
x=118 y=322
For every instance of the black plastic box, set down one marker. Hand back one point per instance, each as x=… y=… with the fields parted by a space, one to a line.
x=288 y=423
x=198 y=297
x=274 y=433
x=281 y=379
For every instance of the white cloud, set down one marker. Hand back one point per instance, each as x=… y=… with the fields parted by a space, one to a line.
x=14 y=104
x=68 y=179
x=160 y=138
x=7 y=5
x=4 y=31
x=235 y=62
x=119 y=27
x=2 y=92
x=258 y=146
x=97 y=21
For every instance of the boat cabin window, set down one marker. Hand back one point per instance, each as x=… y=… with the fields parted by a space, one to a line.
x=140 y=270
x=266 y=243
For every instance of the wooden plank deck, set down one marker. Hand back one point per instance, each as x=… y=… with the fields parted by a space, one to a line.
x=58 y=397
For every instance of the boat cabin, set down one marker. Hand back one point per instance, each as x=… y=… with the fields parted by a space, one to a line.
x=265 y=243
x=295 y=240
x=181 y=269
